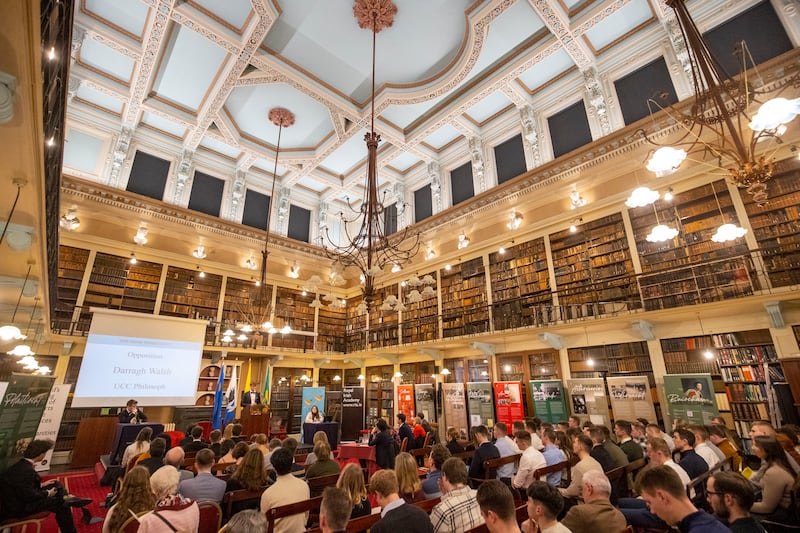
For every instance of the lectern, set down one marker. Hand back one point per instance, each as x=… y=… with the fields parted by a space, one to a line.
x=255 y=419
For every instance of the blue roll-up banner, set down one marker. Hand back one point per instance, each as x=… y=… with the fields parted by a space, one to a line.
x=313 y=396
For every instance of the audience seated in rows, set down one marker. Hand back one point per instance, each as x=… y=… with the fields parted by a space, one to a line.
x=484 y=450
x=319 y=436
x=552 y=455
x=247 y=521
x=335 y=510
x=581 y=447
x=453 y=441
x=138 y=446
x=324 y=465
x=775 y=478
x=458 y=509
x=506 y=447
x=172 y=511
x=174 y=457
x=196 y=443
x=205 y=486
x=156 y=460
x=408 y=480
x=496 y=505
x=731 y=496
x=135 y=496
x=632 y=450
x=396 y=514
x=215 y=442
x=286 y=489
x=689 y=460
x=430 y=485
x=544 y=505
x=351 y=481
x=531 y=460
x=596 y=507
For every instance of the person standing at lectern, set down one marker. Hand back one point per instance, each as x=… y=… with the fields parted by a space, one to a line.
x=251 y=398
x=132 y=414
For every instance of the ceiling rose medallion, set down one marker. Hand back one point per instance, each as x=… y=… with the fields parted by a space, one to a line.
x=374 y=14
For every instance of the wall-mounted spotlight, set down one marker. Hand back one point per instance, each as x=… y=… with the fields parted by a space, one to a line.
x=200 y=252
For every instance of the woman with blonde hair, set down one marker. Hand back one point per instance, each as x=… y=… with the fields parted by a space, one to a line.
x=453 y=443
x=319 y=436
x=250 y=474
x=351 y=480
x=134 y=496
x=228 y=432
x=324 y=465
x=408 y=481
x=137 y=447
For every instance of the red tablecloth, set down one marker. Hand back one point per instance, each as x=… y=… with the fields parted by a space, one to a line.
x=359 y=451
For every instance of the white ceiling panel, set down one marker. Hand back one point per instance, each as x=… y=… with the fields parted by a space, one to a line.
x=249 y=106
x=163 y=124
x=107 y=60
x=130 y=16
x=442 y=136
x=234 y=12
x=547 y=69
x=221 y=147
x=404 y=115
x=404 y=161
x=314 y=185
x=268 y=166
x=100 y=99
x=487 y=107
x=82 y=151
x=342 y=58
x=511 y=28
x=182 y=78
x=620 y=23
x=348 y=154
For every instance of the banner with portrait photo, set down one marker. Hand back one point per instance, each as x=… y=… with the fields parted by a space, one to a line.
x=508 y=402
x=631 y=398
x=480 y=404
x=691 y=397
x=313 y=396
x=549 y=403
x=588 y=399
x=455 y=409
x=425 y=400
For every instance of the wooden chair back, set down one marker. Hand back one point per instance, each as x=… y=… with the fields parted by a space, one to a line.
x=550 y=469
x=404 y=444
x=424 y=452
x=465 y=456
x=619 y=483
x=490 y=467
x=427 y=505
x=282 y=511
x=219 y=468
x=300 y=458
x=317 y=484
x=427 y=440
x=521 y=513
x=131 y=525
x=210 y=517
x=246 y=498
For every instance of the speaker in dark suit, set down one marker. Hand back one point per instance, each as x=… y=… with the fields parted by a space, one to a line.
x=251 y=398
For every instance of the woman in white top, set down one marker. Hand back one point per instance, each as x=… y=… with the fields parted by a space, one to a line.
x=137 y=447
x=314 y=416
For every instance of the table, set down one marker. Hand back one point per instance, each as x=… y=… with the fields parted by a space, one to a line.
x=331 y=429
x=362 y=452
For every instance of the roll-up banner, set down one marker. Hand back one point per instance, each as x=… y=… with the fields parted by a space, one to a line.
x=455 y=409
x=425 y=400
x=548 y=400
x=405 y=401
x=588 y=399
x=352 y=412
x=21 y=412
x=631 y=398
x=480 y=405
x=508 y=402
x=691 y=397
x=51 y=420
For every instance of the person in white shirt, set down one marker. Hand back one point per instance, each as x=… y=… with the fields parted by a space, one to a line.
x=531 y=460
x=506 y=446
x=653 y=431
x=534 y=427
x=544 y=505
x=701 y=446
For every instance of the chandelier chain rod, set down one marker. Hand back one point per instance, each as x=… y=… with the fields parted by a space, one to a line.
x=21 y=291
x=265 y=252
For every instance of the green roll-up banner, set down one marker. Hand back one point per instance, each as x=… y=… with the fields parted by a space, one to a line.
x=690 y=397
x=549 y=402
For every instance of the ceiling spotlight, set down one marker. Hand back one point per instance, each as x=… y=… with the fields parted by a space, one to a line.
x=51 y=141
x=303 y=293
x=398 y=374
x=514 y=220
x=665 y=161
x=463 y=241
x=294 y=272
x=251 y=263
x=573 y=227
x=590 y=362
x=51 y=54
x=200 y=252
x=708 y=355
x=285 y=330
x=501 y=251
x=576 y=200
x=141 y=236
x=668 y=195
x=447 y=267
x=69 y=221
x=429 y=254
x=202 y=274
x=242 y=337
x=43 y=370
x=396 y=267
x=133 y=258
x=227 y=338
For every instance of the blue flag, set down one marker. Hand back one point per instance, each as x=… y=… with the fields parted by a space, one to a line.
x=216 y=417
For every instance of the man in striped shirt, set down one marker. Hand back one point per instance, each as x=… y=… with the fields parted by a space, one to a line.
x=458 y=510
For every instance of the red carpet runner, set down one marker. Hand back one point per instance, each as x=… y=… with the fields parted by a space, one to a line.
x=85 y=485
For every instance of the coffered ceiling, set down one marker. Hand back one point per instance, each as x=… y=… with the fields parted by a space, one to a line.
x=201 y=75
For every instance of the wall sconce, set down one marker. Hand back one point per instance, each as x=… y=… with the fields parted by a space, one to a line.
x=294 y=272
x=668 y=195
x=250 y=263
x=429 y=254
x=573 y=227
x=515 y=220
x=463 y=241
x=133 y=258
x=69 y=221
x=396 y=267
x=576 y=200
x=337 y=377
x=141 y=236
x=200 y=252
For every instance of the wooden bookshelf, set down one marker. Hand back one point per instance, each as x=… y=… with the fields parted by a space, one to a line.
x=207 y=383
x=71 y=268
x=286 y=399
x=464 y=303
x=420 y=319
x=141 y=287
x=115 y=283
x=691 y=268
x=238 y=294
x=749 y=365
x=294 y=309
x=520 y=284
x=331 y=326
x=188 y=294
x=383 y=324
x=776 y=227
x=380 y=394
x=355 y=337
x=593 y=269
x=420 y=372
x=544 y=364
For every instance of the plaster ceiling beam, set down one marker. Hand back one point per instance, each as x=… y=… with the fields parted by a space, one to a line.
x=252 y=38
x=99 y=83
x=465 y=127
x=516 y=94
x=154 y=39
x=117 y=41
x=227 y=128
x=557 y=21
x=215 y=34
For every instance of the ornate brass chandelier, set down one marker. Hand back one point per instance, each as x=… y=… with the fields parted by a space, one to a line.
x=720 y=123
x=256 y=312
x=370 y=249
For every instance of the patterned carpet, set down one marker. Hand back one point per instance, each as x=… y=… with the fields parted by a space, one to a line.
x=85 y=485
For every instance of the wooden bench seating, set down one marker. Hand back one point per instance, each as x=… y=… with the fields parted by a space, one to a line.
x=363 y=523
x=276 y=513
x=490 y=467
x=317 y=484
x=247 y=499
